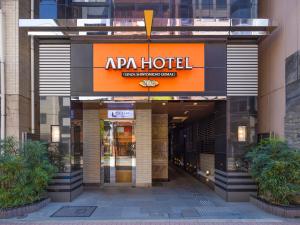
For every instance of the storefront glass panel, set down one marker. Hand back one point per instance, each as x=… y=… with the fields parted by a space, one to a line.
x=118 y=150
x=117 y=143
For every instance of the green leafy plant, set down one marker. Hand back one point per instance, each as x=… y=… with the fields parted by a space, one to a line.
x=276 y=168
x=24 y=172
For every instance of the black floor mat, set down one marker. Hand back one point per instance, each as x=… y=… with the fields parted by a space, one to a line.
x=74 y=211
x=157 y=184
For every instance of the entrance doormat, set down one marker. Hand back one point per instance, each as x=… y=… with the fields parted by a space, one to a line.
x=157 y=184
x=74 y=211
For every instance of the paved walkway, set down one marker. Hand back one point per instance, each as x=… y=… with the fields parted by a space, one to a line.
x=157 y=222
x=183 y=200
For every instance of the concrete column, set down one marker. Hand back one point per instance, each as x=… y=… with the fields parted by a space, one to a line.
x=91 y=146
x=143 y=135
x=17 y=68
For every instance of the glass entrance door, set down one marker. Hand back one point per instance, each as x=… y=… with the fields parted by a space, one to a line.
x=118 y=151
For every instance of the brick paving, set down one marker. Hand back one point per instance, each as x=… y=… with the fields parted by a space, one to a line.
x=143 y=222
x=182 y=201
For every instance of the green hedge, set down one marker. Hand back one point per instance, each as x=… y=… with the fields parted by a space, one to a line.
x=276 y=168
x=24 y=172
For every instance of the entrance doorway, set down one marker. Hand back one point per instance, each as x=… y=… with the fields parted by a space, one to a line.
x=133 y=142
x=117 y=151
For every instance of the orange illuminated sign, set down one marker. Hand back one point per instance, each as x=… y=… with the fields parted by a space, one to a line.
x=157 y=67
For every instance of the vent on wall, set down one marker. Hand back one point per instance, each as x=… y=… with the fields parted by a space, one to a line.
x=54 y=69
x=242 y=70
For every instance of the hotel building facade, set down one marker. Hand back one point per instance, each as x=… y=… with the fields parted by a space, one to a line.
x=121 y=89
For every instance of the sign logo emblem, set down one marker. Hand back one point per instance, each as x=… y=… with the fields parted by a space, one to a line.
x=149 y=83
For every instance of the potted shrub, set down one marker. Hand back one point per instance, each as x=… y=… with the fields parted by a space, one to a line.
x=24 y=175
x=276 y=169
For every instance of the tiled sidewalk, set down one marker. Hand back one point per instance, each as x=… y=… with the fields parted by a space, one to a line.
x=181 y=201
x=143 y=222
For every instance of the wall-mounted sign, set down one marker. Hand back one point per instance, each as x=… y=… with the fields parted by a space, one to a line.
x=120 y=114
x=169 y=67
x=159 y=63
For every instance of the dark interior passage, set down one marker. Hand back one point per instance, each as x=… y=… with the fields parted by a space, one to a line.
x=196 y=135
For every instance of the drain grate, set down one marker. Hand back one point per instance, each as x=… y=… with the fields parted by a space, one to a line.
x=74 y=211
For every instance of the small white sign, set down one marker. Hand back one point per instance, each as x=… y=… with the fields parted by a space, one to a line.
x=120 y=114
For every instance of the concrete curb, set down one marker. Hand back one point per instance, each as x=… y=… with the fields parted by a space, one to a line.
x=23 y=210
x=289 y=212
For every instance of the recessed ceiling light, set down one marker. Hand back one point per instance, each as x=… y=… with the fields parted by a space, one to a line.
x=182 y=118
x=195 y=103
x=164 y=103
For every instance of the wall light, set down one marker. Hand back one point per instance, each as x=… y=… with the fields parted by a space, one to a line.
x=242 y=133
x=55 y=133
x=207 y=172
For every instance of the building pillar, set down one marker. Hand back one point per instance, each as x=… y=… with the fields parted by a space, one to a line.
x=232 y=180
x=292 y=100
x=91 y=146
x=67 y=183
x=17 y=68
x=143 y=135
x=160 y=147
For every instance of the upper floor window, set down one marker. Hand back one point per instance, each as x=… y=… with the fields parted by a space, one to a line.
x=197 y=4
x=206 y=4
x=243 y=8
x=68 y=9
x=221 y=4
x=48 y=9
x=94 y=12
x=89 y=1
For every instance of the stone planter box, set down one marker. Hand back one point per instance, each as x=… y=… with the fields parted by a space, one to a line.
x=23 y=210
x=284 y=211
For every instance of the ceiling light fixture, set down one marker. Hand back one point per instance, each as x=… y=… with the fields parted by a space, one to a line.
x=181 y=118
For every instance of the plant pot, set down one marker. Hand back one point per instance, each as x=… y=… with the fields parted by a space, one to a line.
x=23 y=210
x=292 y=211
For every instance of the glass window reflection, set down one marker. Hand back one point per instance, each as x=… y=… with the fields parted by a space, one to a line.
x=221 y=4
x=55 y=112
x=48 y=9
x=135 y=9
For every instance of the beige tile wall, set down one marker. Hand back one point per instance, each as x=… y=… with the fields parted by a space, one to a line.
x=283 y=42
x=17 y=68
x=143 y=147
x=160 y=146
